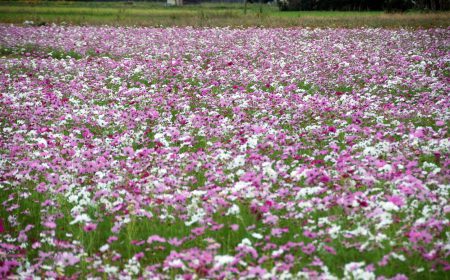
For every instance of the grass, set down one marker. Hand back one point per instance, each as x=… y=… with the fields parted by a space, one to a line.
x=204 y=15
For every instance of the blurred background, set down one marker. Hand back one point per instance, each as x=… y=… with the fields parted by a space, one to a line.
x=201 y=13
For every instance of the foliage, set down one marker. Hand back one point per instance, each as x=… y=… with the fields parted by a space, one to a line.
x=362 y=5
x=207 y=15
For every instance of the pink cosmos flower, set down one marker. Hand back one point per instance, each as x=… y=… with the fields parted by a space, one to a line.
x=67 y=259
x=417 y=236
x=89 y=227
x=111 y=239
x=139 y=255
x=329 y=249
x=400 y=277
x=440 y=123
x=309 y=249
x=128 y=151
x=397 y=200
x=175 y=242
x=155 y=238
x=234 y=227
x=419 y=133
x=198 y=231
x=50 y=224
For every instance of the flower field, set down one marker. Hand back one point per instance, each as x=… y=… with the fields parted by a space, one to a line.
x=219 y=153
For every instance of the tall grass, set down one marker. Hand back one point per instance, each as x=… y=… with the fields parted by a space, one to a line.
x=209 y=14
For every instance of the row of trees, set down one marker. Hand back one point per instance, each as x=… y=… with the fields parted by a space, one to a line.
x=364 y=5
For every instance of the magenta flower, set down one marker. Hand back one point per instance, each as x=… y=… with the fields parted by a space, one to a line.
x=309 y=249
x=111 y=239
x=330 y=249
x=155 y=238
x=397 y=200
x=89 y=227
x=139 y=255
x=420 y=236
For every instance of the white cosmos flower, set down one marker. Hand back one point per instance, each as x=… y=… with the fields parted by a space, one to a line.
x=82 y=218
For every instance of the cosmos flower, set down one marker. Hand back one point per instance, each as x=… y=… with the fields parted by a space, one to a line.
x=89 y=227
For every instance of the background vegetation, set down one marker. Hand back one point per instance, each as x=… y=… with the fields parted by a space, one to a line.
x=205 y=15
x=365 y=5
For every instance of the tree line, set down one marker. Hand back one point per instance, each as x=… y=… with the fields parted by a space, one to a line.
x=364 y=5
